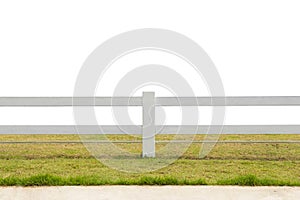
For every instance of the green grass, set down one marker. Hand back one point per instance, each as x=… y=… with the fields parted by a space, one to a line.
x=251 y=180
x=226 y=164
x=50 y=180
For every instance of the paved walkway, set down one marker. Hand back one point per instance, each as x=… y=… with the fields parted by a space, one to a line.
x=149 y=192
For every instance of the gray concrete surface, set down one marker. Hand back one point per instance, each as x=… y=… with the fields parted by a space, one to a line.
x=149 y=192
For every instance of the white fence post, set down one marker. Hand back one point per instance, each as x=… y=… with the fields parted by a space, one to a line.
x=148 y=124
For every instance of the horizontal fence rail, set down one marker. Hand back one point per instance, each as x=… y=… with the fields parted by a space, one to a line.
x=69 y=101
x=229 y=101
x=159 y=101
x=148 y=129
x=137 y=130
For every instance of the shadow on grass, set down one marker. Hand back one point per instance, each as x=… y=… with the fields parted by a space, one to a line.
x=249 y=158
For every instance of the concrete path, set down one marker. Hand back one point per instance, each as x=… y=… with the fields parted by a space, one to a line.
x=149 y=192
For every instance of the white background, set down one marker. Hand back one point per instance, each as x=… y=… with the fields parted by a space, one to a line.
x=255 y=46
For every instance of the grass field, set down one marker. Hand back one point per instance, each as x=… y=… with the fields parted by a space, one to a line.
x=226 y=164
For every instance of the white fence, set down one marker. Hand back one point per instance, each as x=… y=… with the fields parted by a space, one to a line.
x=148 y=101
